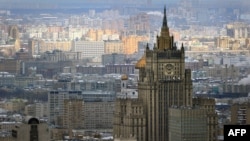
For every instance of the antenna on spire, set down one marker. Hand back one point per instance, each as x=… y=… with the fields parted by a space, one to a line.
x=165 y=23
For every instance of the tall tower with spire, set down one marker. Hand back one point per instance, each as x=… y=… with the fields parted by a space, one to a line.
x=163 y=83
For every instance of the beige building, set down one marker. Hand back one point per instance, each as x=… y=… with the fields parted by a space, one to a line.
x=200 y=47
x=7 y=50
x=5 y=130
x=57 y=134
x=3 y=138
x=97 y=34
x=223 y=72
x=163 y=83
x=222 y=42
x=228 y=43
x=235 y=45
x=208 y=104
x=240 y=113
x=14 y=105
x=131 y=43
x=182 y=122
x=8 y=126
x=131 y=122
x=30 y=110
x=32 y=130
x=36 y=110
x=55 y=45
x=73 y=117
x=12 y=66
x=22 y=81
x=248 y=43
x=98 y=115
x=56 y=104
x=40 y=46
x=113 y=47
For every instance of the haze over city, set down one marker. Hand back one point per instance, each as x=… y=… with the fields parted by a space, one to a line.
x=47 y=4
x=123 y=70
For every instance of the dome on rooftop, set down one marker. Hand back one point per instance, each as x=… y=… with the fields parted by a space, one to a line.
x=141 y=63
x=124 y=77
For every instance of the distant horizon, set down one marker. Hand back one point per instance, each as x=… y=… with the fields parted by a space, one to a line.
x=74 y=4
x=68 y=4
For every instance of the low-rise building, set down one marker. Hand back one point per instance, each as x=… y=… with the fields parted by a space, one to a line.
x=113 y=58
x=12 y=66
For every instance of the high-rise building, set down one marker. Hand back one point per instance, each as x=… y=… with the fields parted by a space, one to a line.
x=182 y=122
x=164 y=86
x=139 y=23
x=113 y=46
x=73 y=114
x=237 y=30
x=131 y=43
x=222 y=42
x=240 y=113
x=98 y=115
x=56 y=101
x=208 y=104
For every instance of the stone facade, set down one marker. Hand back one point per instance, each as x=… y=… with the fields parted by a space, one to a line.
x=163 y=83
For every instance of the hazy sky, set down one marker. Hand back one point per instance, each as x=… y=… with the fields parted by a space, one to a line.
x=73 y=3
x=81 y=3
x=86 y=1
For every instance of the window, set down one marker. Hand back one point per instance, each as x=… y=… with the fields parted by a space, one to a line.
x=33 y=133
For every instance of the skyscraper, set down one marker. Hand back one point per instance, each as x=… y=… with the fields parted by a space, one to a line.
x=73 y=114
x=59 y=107
x=163 y=83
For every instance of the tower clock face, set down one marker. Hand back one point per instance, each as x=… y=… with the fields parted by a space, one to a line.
x=168 y=69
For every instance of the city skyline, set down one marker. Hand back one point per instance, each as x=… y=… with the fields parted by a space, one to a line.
x=71 y=60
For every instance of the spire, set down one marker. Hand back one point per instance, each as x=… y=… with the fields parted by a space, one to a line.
x=147 y=47
x=182 y=47
x=164 y=41
x=165 y=23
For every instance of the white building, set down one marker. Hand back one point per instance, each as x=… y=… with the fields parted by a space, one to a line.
x=41 y=109
x=89 y=49
x=127 y=92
